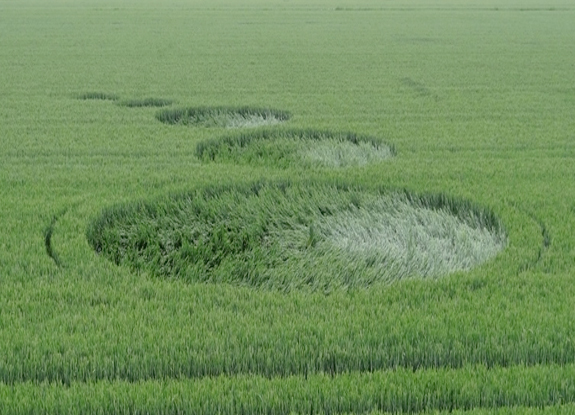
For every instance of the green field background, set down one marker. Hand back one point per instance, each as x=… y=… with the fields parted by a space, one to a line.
x=478 y=99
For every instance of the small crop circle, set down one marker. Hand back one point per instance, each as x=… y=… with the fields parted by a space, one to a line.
x=287 y=236
x=146 y=102
x=285 y=148
x=222 y=117
x=102 y=96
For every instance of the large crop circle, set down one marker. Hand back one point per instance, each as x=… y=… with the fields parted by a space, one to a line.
x=289 y=236
x=285 y=148
x=223 y=117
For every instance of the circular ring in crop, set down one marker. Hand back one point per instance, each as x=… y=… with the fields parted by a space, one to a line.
x=284 y=148
x=287 y=236
x=223 y=117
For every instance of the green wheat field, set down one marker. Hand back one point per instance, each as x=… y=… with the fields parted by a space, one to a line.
x=287 y=207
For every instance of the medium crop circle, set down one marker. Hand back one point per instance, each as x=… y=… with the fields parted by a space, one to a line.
x=287 y=236
x=284 y=148
x=223 y=117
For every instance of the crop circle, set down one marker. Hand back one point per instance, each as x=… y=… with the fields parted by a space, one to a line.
x=146 y=102
x=287 y=236
x=223 y=117
x=285 y=148
x=101 y=96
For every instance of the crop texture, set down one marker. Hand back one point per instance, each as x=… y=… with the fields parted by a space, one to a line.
x=351 y=207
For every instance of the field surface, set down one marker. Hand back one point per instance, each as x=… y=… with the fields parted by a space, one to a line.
x=108 y=306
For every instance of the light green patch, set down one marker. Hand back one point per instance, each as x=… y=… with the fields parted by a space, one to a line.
x=411 y=240
x=234 y=120
x=333 y=153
